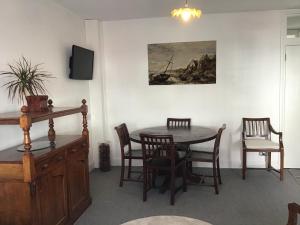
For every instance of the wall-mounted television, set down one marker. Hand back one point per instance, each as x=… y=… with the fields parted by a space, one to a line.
x=81 y=63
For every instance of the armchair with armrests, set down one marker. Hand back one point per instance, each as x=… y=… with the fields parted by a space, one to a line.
x=256 y=137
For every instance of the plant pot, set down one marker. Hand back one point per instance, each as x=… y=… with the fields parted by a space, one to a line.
x=37 y=103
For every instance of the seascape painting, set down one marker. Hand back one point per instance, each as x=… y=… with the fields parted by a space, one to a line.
x=182 y=63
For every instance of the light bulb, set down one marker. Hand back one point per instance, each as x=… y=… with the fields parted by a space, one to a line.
x=186 y=15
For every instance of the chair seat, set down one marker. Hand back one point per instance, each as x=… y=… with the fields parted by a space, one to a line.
x=261 y=144
x=163 y=162
x=135 y=153
x=200 y=156
x=182 y=147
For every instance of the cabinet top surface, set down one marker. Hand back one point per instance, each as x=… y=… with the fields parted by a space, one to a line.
x=13 y=118
x=11 y=155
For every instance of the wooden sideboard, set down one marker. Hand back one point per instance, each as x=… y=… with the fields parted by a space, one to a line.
x=48 y=186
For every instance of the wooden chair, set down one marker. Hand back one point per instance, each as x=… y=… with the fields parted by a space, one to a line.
x=179 y=123
x=294 y=210
x=210 y=157
x=159 y=154
x=130 y=154
x=256 y=137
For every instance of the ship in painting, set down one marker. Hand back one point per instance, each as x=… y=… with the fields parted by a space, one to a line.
x=162 y=77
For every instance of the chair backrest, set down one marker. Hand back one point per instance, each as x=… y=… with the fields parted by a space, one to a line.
x=157 y=147
x=256 y=127
x=178 y=122
x=124 y=138
x=294 y=210
x=218 y=140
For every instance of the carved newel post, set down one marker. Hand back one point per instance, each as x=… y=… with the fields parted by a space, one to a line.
x=51 y=132
x=28 y=161
x=25 y=124
x=84 y=111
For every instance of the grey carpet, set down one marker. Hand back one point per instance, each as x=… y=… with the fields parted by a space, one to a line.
x=295 y=174
x=261 y=199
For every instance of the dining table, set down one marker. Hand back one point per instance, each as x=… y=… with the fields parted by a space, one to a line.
x=182 y=137
x=186 y=136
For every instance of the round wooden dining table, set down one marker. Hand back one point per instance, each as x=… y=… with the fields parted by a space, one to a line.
x=192 y=135
x=181 y=136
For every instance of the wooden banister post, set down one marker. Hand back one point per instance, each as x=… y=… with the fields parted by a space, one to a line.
x=25 y=124
x=28 y=161
x=84 y=111
x=51 y=132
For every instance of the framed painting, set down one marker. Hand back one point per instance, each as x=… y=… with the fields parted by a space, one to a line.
x=182 y=63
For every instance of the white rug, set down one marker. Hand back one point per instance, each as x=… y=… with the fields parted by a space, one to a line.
x=166 y=220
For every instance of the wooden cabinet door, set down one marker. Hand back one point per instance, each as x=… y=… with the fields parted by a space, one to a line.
x=52 y=196
x=78 y=181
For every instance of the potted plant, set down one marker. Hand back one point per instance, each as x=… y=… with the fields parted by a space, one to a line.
x=26 y=81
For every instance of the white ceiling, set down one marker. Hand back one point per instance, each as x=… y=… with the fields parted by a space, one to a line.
x=130 y=9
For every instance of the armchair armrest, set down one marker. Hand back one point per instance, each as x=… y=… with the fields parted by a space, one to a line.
x=278 y=133
x=274 y=131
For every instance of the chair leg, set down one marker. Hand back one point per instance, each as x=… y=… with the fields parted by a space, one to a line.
x=172 y=187
x=184 y=177
x=244 y=163
x=215 y=178
x=219 y=172
x=122 y=172
x=269 y=161
x=145 y=183
x=281 y=164
x=129 y=168
x=190 y=166
x=154 y=172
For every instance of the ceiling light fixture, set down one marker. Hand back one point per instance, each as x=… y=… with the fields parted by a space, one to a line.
x=186 y=13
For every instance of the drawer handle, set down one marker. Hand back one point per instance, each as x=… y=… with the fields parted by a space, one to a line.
x=45 y=166
x=84 y=144
x=74 y=150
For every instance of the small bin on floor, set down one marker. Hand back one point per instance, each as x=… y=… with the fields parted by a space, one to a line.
x=104 y=154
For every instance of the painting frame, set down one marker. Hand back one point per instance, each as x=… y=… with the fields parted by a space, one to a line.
x=178 y=63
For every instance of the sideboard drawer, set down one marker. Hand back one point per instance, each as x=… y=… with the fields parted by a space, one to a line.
x=46 y=165
x=77 y=148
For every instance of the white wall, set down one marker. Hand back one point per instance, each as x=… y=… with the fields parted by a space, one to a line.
x=43 y=32
x=248 y=71
x=248 y=76
x=94 y=40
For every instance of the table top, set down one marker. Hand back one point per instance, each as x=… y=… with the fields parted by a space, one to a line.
x=192 y=135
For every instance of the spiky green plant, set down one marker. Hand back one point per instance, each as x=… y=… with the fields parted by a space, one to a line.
x=25 y=79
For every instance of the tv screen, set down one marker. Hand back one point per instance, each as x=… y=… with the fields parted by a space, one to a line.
x=81 y=63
